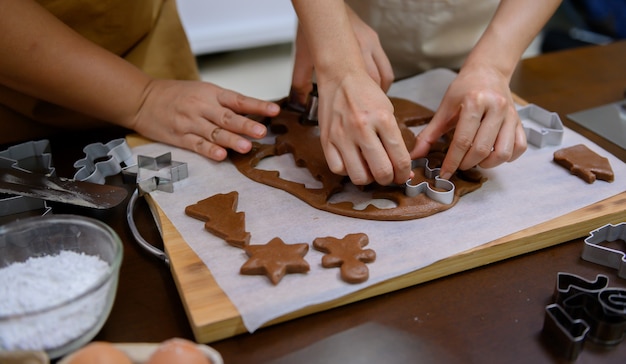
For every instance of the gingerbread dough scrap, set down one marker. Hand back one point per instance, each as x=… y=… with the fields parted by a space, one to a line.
x=221 y=218
x=303 y=142
x=347 y=253
x=275 y=259
x=584 y=163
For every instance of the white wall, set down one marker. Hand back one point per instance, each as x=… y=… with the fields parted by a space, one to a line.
x=222 y=25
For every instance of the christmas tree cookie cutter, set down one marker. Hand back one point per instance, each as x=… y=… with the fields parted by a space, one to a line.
x=32 y=157
x=594 y=252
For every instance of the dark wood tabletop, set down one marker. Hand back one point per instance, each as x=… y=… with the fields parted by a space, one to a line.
x=491 y=314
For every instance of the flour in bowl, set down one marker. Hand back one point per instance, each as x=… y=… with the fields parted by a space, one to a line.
x=42 y=282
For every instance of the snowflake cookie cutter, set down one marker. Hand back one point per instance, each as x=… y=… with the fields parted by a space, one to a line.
x=443 y=191
x=594 y=252
x=103 y=160
x=541 y=126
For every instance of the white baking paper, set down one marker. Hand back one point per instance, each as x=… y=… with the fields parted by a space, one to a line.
x=517 y=195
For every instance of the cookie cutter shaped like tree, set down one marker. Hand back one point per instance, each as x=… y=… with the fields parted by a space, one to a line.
x=595 y=252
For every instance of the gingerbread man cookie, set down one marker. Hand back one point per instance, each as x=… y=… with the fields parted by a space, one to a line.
x=347 y=253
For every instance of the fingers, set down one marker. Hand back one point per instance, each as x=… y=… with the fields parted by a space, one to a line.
x=485 y=137
x=222 y=127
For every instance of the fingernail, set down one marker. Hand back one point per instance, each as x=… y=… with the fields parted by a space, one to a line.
x=445 y=175
x=259 y=131
x=273 y=108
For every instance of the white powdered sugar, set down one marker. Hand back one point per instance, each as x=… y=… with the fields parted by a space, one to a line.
x=42 y=282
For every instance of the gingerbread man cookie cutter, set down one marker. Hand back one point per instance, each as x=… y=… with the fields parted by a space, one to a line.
x=594 y=252
x=541 y=126
x=443 y=191
x=103 y=160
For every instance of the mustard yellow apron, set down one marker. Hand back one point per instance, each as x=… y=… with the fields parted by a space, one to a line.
x=147 y=33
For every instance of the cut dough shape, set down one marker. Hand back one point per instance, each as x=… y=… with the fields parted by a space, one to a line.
x=275 y=259
x=347 y=253
x=221 y=218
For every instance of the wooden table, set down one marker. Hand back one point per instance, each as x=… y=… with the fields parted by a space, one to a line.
x=490 y=314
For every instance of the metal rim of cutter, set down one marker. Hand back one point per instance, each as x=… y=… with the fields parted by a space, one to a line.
x=595 y=253
x=143 y=243
x=444 y=197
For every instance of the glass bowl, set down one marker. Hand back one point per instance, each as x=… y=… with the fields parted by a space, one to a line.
x=58 y=280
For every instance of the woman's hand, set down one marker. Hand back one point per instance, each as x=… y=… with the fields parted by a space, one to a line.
x=200 y=117
x=488 y=132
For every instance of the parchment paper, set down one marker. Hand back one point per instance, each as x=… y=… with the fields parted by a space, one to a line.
x=517 y=195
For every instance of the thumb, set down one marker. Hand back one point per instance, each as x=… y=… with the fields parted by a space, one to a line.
x=301 y=78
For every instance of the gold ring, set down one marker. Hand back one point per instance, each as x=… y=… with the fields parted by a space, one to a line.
x=214 y=134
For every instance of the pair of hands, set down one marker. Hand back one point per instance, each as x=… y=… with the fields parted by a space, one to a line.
x=359 y=133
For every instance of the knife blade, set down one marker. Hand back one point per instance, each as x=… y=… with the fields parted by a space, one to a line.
x=59 y=189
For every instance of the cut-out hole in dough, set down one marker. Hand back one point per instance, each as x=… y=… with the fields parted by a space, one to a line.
x=286 y=166
x=360 y=199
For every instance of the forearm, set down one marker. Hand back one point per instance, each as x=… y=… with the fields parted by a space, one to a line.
x=46 y=59
x=327 y=29
x=515 y=24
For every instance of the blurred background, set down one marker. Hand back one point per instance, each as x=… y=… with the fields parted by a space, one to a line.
x=245 y=45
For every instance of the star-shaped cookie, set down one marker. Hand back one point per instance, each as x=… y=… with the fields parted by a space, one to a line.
x=275 y=259
x=347 y=253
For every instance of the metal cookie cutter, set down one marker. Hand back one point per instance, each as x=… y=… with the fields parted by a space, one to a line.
x=33 y=157
x=541 y=126
x=154 y=166
x=103 y=160
x=445 y=196
x=156 y=173
x=584 y=310
x=596 y=253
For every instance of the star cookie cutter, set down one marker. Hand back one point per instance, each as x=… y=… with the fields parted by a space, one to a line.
x=594 y=252
x=584 y=310
x=157 y=173
x=163 y=172
x=103 y=160
x=32 y=157
x=541 y=126
x=443 y=191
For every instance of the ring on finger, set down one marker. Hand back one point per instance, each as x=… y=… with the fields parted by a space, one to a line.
x=213 y=137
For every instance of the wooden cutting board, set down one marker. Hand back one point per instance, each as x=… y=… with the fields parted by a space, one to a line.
x=213 y=316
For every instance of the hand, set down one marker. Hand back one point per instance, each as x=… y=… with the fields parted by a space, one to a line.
x=359 y=133
x=488 y=128
x=201 y=117
x=376 y=62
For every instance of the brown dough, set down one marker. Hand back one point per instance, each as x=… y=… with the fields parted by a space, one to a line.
x=222 y=220
x=303 y=142
x=347 y=253
x=275 y=259
x=584 y=163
